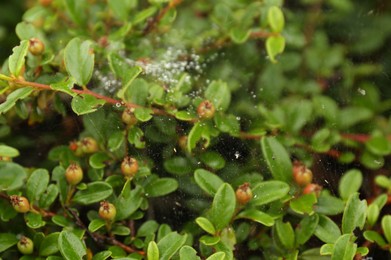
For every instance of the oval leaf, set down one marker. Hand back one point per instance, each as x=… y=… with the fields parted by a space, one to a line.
x=275 y=18
x=49 y=245
x=354 y=214
x=269 y=191
x=277 y=159
x=85 y=104
x=219 y=94
x=223 y=206
x=17 y=59
x=274 y=45
x=257 y=216
x=37 y=184
x=95 y=192
x=12 y=176
x=161 y=187
x=208 y=181
x=152 y=251
x=70 y=246
x=206 y=225
x=350 y=183
x=170 y=244
x=8 y=151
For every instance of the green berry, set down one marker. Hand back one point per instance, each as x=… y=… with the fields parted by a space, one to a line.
x=107 y=211
x=36 y=46
x=21 y=204
x=128 y=117
x=25 y=245
x=129 y=167
x=89 y=145
x=74 y=174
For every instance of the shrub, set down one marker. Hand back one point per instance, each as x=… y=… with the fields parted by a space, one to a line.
x=196 y=130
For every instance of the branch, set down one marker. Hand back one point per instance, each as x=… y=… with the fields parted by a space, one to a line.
x=152 y=24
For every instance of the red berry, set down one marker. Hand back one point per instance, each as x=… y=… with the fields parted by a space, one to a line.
x=312 y=188
x=107 y=211
x=129 y=167
x=89 y=145
x=20 y=203
x=74 y=174
x=36 y=46
x=206 y=110
x=128 y=117
x=244 y=193
x=25 y=245
x=301 y=174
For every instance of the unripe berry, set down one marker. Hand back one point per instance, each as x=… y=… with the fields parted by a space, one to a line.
x=301 y=174
x=21 y=204
x=128 y=117
x=107 y=211
x=89 y=145
x=25 y=245
x=129 y=167
x=312 y=188
x=36 y=46
x=206 y=110
x=74 y=174
x=244 y=193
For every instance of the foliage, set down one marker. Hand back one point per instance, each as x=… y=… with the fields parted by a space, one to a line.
x=227 y=129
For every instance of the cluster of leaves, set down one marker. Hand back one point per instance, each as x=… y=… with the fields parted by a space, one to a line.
x=114 y=147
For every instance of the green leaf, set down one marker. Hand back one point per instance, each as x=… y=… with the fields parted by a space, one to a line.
x=136 y=136
x=354 y=214
x=306 y=228
x=76 y=11
x=95 y=192
x=137 y=92
x=7 y=240
x=269 y=191
x=19 y=94
x=277 y=159
x=344 y=248
x=304 y=204
x=327 y=249
x=102 y=255
x=49 y=246
x=65 y=86
x=143 y=15
x=329 y=205
x=239 y=35
x=128 y=201
x=85 y=104
x=99 y=160
x=195 y=135
x=34 y=220
x=213 y=160
x=219 y=94
x=374 y=236
x=217 y=256
x=373 y=212
x=8 y=151
x=143 y=114
x=378 y=144
x=12 y=176
x=257 y=216
x=120 y=230
x=209 y=240
x=47 y=199
x=350 y=183
x=285 y=234
x=188 y=253
x=223 y=206
x=386 y=226
x=96 y=224
x=120 y=9
x=18 y=58
x=37 y=184
x=206 y=225
x=350 y=116
x=170 y=244
x=116 y=140
x=178 y=165
x=152 y=251
x=276 y=19
x=227 y=124
x=161 y=187
x=70 y=246
x=327 y=230
x=79 y=60
x=274 y=45
x=208 y=181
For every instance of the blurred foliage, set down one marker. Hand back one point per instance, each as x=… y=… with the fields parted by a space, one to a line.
x=225 y=129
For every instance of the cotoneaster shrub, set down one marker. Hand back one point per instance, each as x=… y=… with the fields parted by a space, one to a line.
x=230 y=129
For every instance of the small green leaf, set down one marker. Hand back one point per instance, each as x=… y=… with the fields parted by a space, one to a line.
x=120 y=230
x=373 y=212
x=327 y=230
x=219 y=94
x=195 y=135
x=386 y=226
x=257 y=216
x=115 y=140
x=37 y=184
x=70 y=246
x=206 y=225
x=381 y=200
x=188 y=253
x=7 y=240
x=213 y=160
x=95 y=192
x=79 y=60
x=276 y=19
x=34 y=220
x=13 y=97
x=96 y=224
x=102 y=255
x=136 y=137
x=227 y=123
x=277 y=159
x=152 y=251
x=354 y=214
x=47 y=198
x=217 y=256
x=209 y=240
x=49 y=246
x=143 y=15
x=374 y=236
x=304 y=204
x=99 y=160
x=8 y=151
x=223 y=206
x=76 y=11
x=161 y=187
x=378 y=144
x=12 y=176
x=128 y=201
x=208 y=181
x=329 y=205
x=137 y=92
x=170 y=244
x=178 y=165
x=327 y=249
x=269 y=191
x=350 y=183
x=143 y=114
x=18 y=58
x=285 y=234
x=306 y=228
x=344 y=248
x=85 y=104
x=239 y=35
x=274 y=45
x=65 y=86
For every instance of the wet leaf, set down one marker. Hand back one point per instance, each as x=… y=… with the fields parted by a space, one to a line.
x=277 y=159
x=70 y=246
